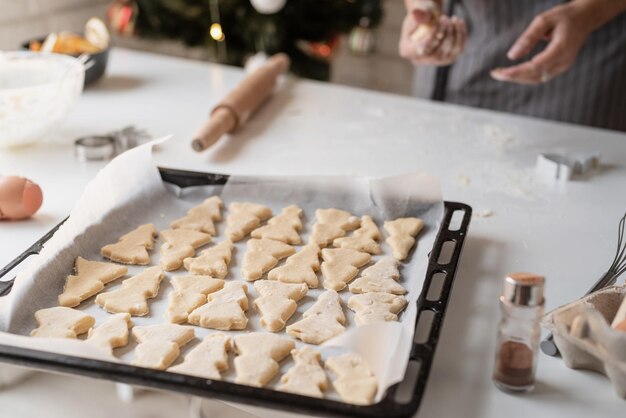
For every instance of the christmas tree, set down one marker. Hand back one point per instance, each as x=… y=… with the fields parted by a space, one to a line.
x=307 y=30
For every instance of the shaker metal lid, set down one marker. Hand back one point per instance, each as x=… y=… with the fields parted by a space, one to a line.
x=524 y=289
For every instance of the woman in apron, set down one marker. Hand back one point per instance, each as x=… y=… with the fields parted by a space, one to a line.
x=561 y=60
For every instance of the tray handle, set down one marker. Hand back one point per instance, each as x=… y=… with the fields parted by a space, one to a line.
x=7 y=285
x=406 y=396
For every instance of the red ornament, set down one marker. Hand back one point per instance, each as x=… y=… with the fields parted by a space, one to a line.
x=324 y=50
x=122 y=15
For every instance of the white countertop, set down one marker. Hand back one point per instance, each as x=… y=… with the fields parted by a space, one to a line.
x=566 y=231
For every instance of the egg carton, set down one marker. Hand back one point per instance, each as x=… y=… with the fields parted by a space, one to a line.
x=583 y=335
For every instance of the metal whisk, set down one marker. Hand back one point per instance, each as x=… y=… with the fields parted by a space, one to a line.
x=610 y=277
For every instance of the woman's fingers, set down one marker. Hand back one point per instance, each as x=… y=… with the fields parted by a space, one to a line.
x=552 y=61
x=436 y=43
x=444 y=49
x=461 y=37
x=538 y=29
x=421 y=16
x=429 y=5
x=526 y=73
x=433 y=39
x=406 y=46
x=454 y=42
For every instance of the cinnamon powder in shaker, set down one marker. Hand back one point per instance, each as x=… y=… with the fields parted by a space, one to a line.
x=515 y=364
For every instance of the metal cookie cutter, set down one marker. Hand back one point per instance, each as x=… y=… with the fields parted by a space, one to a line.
x=563 y=167
x=105 y=147
x=95 y=148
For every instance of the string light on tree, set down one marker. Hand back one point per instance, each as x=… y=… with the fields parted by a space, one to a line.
x=216 y=32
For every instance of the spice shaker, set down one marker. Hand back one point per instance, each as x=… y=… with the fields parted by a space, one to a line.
x=518 y=333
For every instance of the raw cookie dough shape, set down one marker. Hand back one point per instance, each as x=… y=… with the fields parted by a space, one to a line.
x=212 y=261
x=133 y=247
x=381 y=277
x=180 y=244
x=331 y=224
x=201 y=217
x=376 y=307
x=355 y=382
x=208 y=359
x=301 y=267
x=402 y=233
x=61 y=322
x=113 y=333
x=363 y=239
x=159 y=345
x=285 y=227
x=225 y=309
x=259 y=354
x=243 y=218
x=133 y=296
x=90 y=278
x=277 y=302
x=262 y=255
x=341 y=265
x=320 y=322
x=307 y=376
x=190 y=292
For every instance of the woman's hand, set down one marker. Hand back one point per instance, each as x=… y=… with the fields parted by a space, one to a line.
x=566 y=28
x=430 y=38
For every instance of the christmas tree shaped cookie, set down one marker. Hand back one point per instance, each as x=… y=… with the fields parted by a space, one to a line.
x=381 y=277
x=331 y=224
x=285 y=227
x=212 y=261
x=180 y=244
x=355 y=382
x=90 y=278
x=133 y=296
x=363 y=239
x=133 y=247
x=208 y=359
x=202 y=217
x=243 y=218
x=159 y=345
x=277 y=302
x=321 y=321
x=113 y=333
x=376 y=307
x=307 y=377
x=262 y=255
x=341 y=265
x=259 y=354
x=189 y=293
x=61 y=322
x=402 y=233
x=301 y=267
x=225 y=309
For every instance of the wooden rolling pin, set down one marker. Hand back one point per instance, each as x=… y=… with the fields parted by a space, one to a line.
x=239 y=104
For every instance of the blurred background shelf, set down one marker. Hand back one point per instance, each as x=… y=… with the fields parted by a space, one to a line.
x=381 y=69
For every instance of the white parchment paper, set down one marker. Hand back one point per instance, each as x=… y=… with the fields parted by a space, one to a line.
x=129 y=192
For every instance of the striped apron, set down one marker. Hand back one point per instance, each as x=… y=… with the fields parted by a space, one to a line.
x=592 y=92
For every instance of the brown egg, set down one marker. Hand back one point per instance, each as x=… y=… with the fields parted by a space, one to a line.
x=20 y=198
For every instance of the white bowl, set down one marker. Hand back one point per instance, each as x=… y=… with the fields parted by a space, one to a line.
x=36 y=93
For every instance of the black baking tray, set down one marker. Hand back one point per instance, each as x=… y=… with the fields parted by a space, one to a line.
x=400 y=400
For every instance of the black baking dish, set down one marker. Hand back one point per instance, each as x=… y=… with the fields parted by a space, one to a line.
x=97 y=61
x=400 y=400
